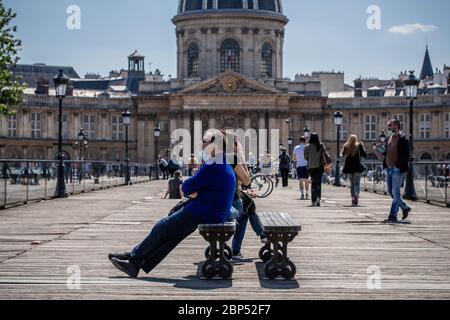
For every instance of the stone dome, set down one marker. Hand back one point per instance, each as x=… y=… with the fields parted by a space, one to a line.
x=274 y=6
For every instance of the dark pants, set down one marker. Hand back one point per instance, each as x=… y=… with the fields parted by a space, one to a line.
x=316 y=183
x=285 y=176
x=164 y=237
x=164 y=171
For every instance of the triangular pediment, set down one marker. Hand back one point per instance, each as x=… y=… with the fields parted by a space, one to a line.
x=229 y=82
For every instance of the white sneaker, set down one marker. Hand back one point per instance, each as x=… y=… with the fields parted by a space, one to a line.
x=238 y=256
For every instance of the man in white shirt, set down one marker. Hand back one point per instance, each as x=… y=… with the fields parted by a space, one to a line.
x=302 y=168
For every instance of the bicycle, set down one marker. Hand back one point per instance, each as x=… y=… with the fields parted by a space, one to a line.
x=261 y=184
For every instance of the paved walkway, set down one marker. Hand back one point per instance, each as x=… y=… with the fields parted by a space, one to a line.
x=340 y=250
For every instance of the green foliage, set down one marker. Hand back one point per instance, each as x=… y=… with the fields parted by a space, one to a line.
x=11 y=90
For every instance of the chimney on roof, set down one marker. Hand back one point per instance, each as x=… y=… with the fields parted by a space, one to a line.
x=43 y=86
x=358 y=88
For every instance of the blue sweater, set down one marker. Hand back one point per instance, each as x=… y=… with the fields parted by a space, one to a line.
x=216 y=185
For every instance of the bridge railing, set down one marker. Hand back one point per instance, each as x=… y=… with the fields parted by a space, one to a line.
x=431 y=180
x=22 y=181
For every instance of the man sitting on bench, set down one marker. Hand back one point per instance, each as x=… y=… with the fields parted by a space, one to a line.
x=212 y=190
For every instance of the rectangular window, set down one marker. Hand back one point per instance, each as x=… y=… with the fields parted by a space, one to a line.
x=89 y=126
x=35 y=125
x=401 y=119
x=118 y=129
x=425 y=125
x=344 y=129
x=65 y=126
x=447 y=125
x=370 y=127
x=12 y=126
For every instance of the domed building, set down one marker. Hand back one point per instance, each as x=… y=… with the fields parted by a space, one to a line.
x=229 y=75
x=245 y=36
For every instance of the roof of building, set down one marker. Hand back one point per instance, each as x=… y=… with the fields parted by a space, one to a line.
x=97 y=84
x=236 y=5
x=427 y=68
x=136 y=54
x=30 y=74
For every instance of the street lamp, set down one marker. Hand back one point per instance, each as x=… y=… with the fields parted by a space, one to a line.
x=291 y=131
x=338 y=119
x=306 y=132
x=82 y=142
x=126 y=119
x=61 y=81
x=411 y=90
x=157 y=132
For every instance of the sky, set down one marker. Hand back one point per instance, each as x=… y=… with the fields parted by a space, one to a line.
x=322 y=35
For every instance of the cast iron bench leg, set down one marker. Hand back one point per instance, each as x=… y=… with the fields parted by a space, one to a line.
x=276 y=257
x=218 y=255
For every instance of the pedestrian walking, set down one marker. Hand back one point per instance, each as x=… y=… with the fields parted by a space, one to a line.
x=396 y=156
x=352 y=152
x=284 y=166
x=302 y=168
x=315 y=154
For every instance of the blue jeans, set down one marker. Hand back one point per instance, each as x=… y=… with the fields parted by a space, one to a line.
x=394 y=185
x=163 y=238
x=237 y=213
x=355 y=179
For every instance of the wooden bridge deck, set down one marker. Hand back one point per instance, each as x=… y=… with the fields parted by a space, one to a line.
x=339 y=249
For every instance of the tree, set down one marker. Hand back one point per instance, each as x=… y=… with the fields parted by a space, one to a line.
x=11 y=90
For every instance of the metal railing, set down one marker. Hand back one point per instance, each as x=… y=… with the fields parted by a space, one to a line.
x=23 y=181
x=431 y=180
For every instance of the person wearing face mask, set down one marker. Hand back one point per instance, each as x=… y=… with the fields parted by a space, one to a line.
x=211 y=203
x=396 y=156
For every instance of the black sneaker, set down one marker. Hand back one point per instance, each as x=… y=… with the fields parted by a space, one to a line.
x=128 y=267
x=391 y=220
x=406 y=213
x=120 y=256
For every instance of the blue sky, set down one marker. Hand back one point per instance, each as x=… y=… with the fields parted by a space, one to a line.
x=321 y=35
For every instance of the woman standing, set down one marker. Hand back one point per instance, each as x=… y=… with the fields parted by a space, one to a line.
x=315 y=155
x=352 y=152
x=285 y=164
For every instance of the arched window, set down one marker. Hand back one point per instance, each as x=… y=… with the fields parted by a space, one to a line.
x=448 y=157
x=192 y=5
x=426 y=157
x=230 y=4
x=193 y=60
x=266 y=60
x=229 y=56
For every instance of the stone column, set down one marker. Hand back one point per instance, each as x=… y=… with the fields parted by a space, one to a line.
x=247 y=122
x=141 y=139
x=4 y=126
x=274 y=135
x=150 y=155
x=212 y=120
x=285 y=127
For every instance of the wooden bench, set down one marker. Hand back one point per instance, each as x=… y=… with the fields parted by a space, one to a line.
x=218 y=254
x=280 y=230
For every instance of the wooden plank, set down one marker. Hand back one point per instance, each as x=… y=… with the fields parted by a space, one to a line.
x=339 y=244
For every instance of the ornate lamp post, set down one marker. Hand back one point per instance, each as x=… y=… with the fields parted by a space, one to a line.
x=126 y=117
x=61 y=81
x=291 y=131
x=82 y=143
x=338 y=118
x=411 y=90
x=157 y=132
